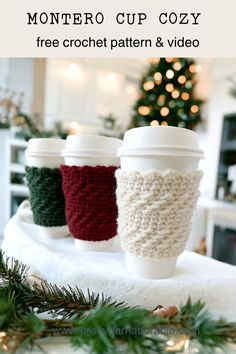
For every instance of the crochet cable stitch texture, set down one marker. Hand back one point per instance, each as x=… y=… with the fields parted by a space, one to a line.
x=155 y=211
x=46 y=196
x=91 y=209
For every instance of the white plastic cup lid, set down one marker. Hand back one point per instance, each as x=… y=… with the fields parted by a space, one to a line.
x=91 y=145
x=160 y=140
x=45 y=146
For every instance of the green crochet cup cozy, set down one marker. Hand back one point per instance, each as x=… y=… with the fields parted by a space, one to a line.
x=46 y=196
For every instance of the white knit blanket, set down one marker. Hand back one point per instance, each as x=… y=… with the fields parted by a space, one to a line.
x=59 y=262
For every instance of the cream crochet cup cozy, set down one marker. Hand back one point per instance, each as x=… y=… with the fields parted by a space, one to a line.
x=155 y=211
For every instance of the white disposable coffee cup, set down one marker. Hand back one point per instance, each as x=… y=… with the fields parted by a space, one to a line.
x=92 y=150
x=158 y=148
x=46 y=152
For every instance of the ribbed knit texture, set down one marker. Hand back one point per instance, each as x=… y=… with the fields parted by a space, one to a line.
x=46 y=196
x=91 y=209
x=155 y=211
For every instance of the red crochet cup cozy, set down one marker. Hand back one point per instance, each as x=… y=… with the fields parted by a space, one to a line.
x=90 y=198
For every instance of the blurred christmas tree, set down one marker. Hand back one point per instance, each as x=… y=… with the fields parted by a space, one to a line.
x=167 y=94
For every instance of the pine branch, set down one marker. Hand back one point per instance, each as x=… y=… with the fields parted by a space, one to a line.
x=65 y=302
x=105 y=329
x=12 y=270
x=198 y=322
x=108 y=329
x=95 y=321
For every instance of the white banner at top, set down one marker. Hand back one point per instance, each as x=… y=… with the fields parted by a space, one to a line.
x=133 y=28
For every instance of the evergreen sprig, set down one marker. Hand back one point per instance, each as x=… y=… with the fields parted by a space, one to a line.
x=95 y=322
x=11 y=270
x=64 y=302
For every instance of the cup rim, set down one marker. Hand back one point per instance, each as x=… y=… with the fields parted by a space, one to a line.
x=92 y=136
x=87 y=152
x=42 y=153
x=163 y=127
x=91 y=143
x=47 y=139
x=160 y=150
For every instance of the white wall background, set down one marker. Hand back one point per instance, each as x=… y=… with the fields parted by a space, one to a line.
x=18 y=75
x=214 y=88
x=83 y=89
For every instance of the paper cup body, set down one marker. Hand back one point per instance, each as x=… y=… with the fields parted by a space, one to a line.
x=44 y=161
x=91 y=150
x=161 y=149
x=91 y=161
x=46 y=152
x=54 y=232
x=97 y=246
x=151 y=269
x=160 y=163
